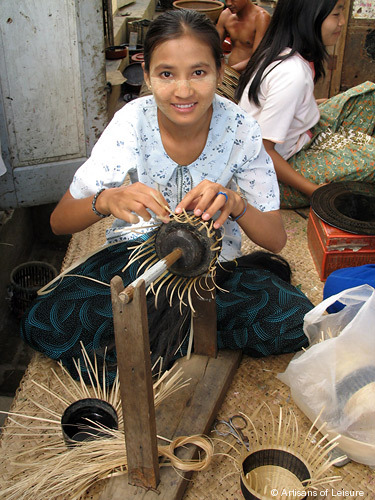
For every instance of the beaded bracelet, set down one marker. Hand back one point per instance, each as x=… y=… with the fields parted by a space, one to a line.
x=234 y=219
x=102 y=216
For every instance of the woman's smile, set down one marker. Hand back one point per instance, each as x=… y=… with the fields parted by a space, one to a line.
x=185 y=107
x=183 y=87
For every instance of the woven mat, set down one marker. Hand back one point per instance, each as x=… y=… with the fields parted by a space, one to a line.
x=254 y=383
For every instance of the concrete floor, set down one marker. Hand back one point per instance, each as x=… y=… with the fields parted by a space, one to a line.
x=39 y=245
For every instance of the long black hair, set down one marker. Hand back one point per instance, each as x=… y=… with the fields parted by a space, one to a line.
x=173 y=24
x=296 y=24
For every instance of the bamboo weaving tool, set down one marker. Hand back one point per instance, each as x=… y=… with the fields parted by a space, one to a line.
x=184 y=250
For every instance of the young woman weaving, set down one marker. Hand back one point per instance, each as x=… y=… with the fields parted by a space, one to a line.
x=185 y=148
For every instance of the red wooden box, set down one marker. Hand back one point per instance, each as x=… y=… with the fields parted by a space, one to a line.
x=333 y=249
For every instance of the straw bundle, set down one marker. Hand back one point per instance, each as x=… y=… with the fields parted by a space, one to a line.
x=54 y=471
x=47 y=468
x=229 y=84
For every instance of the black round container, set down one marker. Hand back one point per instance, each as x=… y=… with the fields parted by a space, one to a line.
x=79 y=420
x=347 y=205
x=25 y=280
x=134 y=78
x=272 y=456
x=197 y=245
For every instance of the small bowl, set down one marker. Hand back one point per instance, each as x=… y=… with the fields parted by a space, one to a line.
x=227 y=46
x=116 y=52
x=212 y=8
x=138 y=57
x=84 y=420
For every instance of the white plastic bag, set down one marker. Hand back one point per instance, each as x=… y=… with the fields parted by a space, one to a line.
x=336 y=374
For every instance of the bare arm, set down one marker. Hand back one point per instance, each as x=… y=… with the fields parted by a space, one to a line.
x=264 y=228
x=241 y=65
x=262 y=21
x=286 y=173
x=220 y=25
x=72 y=215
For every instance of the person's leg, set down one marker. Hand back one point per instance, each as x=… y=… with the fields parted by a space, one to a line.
x=343 y=147
x=336 y=158
x=352 y=109
x=78 y=310
x=262 y=314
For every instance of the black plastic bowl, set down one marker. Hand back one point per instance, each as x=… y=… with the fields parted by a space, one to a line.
x=84 y=420
x=134 y=77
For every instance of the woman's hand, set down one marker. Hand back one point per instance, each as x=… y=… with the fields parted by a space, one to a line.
x=129 y=202
x=208 y=198
x=266 y=229
x=126 y=202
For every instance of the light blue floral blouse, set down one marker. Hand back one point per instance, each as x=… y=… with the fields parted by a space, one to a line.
x=131 y=144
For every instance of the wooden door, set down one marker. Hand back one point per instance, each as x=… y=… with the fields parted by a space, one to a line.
x=359 y=54
x=52 y=95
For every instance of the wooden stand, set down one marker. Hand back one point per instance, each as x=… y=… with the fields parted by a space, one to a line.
x=190 y=411
x=136 y=388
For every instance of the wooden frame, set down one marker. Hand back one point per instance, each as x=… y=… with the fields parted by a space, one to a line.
x=192 y=411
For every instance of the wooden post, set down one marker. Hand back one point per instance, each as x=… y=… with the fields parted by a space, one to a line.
x=137 y=398
x=204 y=321
x=339 y=53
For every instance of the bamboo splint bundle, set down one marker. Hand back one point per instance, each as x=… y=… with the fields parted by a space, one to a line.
x=47 y=468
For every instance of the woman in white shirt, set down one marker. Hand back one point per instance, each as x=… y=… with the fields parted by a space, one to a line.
x=310 y=145
x=183 y=148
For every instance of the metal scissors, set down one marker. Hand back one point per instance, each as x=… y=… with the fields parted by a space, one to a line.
x=233 y=427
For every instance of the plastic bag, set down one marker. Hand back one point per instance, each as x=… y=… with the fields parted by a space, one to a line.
x=335 y=376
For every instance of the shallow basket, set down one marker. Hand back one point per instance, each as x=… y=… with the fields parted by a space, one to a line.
x=25 y=281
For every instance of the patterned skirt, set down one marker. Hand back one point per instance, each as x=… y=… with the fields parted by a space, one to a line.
x=342 y=147
x=260 y=313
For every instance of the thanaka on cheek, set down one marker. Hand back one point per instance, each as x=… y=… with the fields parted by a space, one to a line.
x=205 y=83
